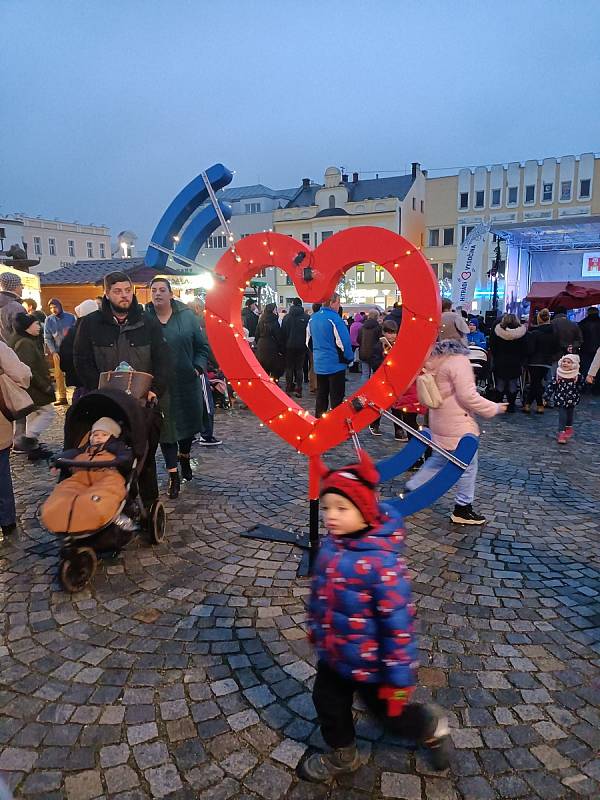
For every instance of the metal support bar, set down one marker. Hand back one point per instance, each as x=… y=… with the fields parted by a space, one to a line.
x=216 y=206
x=418 y=435
x=185 y=260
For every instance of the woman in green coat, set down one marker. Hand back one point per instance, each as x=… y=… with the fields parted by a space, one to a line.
x=183 y=407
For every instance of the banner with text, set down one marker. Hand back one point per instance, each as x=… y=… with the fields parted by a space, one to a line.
x=468 y=267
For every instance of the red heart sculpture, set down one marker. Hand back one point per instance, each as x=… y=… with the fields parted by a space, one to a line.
x=420 y=322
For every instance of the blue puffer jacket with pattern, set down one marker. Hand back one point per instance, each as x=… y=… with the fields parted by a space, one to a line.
x=361 y=614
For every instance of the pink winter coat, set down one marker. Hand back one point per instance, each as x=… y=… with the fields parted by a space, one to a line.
x=449 y=363
x=355 y=329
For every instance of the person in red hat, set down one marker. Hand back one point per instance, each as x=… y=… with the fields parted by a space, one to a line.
x=361 y=623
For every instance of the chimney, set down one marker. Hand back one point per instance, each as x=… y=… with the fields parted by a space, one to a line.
x=415 y=169
x=305 y=183
x=355 y=177
x=344 y=178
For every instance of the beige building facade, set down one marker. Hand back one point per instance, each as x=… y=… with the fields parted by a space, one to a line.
x=546 y=198
x=55 y=243
x=342 y=201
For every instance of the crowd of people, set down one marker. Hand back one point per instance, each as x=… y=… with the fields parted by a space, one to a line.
x=46 y=354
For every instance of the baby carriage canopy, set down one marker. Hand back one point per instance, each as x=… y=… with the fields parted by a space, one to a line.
x=123 y=408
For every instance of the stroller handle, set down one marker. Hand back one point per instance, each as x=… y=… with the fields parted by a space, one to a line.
x=72 y=462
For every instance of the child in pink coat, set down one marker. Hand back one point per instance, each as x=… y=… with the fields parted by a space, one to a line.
x=450 y=365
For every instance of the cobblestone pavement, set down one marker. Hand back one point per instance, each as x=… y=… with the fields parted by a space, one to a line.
x=184 y=671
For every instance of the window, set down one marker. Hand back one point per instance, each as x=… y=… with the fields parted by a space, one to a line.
x=530 y=194
x=281 y=299
x=414 y=203
x=90 y=249
x=466 y=230
x=71 y=247
x=316 y=235
x=331 y=201
x=547 y=192
x=379 y=274
x=584 y=187
x=101 y=247
x=464 y=200
x=447 y=271
x=360 y=274
x=288 y=281
x=37 y=245
x=306 y=238
x=52 y=246
x=513 y=195
x=479 y=198
x=252 y=208
x=422 y=206
x=434 y=267
x=326 y=235
x=217 y=242
x=448 y=236
x=496 y=197
x=565 y=190
x=434 y=237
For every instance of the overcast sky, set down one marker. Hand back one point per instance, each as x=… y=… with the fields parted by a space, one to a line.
x=111 y=106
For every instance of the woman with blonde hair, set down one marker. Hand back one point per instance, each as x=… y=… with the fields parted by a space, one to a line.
x=509 y=352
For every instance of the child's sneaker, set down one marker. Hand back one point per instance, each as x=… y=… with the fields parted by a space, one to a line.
x=321 y=767
x=438 y=743
x=562 y=437
x=569 y=432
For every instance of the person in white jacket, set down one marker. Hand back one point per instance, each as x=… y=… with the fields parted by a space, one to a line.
x=594 y=368
x=20 y=373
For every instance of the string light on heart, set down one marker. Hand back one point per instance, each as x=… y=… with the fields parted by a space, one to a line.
x=315 y=274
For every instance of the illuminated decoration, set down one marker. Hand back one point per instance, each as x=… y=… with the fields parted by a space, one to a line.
x=327 y=263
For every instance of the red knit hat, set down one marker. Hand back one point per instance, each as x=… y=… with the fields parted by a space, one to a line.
x=357 y=483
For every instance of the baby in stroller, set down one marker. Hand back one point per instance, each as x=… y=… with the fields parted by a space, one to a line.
x=96 y=506
x=91 y=496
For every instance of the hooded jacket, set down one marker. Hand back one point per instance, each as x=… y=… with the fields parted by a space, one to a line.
x=568 y=333
x=355 y=329
x=369 y=333
x=361 y=614
x=101 y=343
x=332 y=351
x=249 y=321
x=395 y=315
x=590 y=331
x=27 y=349
x=56 y=327
x=450 y=365
x=509 y=349
x=293 y=328
x=10 y=306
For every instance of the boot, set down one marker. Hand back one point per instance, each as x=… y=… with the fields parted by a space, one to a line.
x=174 y=485
x=512 y=399
x=8 y=529
x=562 y=437
x=186 y=468
x=539 y=409
x=40 y=453
x=569 y=432
x=526 y=408
x=438 y=742
x=464 y=515
x=321 y=767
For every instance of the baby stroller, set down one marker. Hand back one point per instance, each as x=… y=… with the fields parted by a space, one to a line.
x=123 y=515
x=480 y=363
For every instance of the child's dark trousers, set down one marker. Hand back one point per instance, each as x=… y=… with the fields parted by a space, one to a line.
x=333 y=697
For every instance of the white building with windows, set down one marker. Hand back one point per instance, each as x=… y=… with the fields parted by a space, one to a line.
x=530 y=206
x=55 y=243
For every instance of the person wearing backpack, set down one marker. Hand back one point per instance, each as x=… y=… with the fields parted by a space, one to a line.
x=454 y=403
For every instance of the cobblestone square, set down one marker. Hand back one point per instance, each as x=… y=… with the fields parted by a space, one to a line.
x=183 y=671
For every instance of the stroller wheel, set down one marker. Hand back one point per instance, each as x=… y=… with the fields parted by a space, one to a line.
x=157 y=523
x=78 y=569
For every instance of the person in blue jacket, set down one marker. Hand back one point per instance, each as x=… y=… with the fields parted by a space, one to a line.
x=361 y=624
x=56 y=328
x=475 y=336
x=332 y=353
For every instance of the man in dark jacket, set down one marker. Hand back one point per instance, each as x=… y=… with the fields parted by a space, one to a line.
x=590 y=330
x=395 y=315
x=568 y=333
x=11 y=289
x=122 y=331
x=293 y=330
x=369 y=334
x=250 y=317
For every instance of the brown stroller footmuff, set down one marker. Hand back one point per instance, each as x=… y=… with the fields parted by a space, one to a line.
x=87 y=501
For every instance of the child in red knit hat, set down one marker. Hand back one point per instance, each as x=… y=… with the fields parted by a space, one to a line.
x=361 y=624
